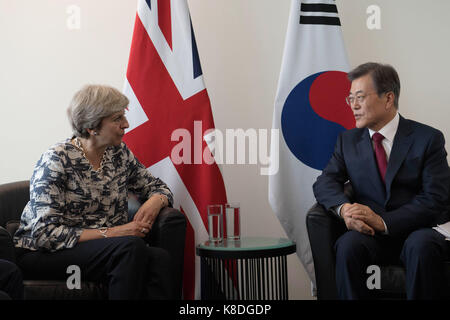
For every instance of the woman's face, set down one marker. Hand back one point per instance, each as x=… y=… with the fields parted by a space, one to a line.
x=112 y=129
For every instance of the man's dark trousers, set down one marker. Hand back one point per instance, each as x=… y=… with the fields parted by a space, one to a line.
x=422 y=253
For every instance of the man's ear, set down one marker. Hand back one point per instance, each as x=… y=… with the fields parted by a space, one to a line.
x=390 y=98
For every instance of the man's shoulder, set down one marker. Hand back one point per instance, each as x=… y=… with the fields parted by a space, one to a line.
x=353 y=134
x=419 y=125
x=406 y=124
x=420 y=129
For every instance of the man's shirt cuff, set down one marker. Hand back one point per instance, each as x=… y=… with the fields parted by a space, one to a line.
x=337 y=209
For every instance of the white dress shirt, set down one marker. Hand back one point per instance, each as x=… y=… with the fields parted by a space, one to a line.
x=388 y=132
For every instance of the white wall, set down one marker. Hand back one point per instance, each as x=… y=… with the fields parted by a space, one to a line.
x=240 y=42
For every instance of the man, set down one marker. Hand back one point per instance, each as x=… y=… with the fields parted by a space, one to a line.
x=400 y=177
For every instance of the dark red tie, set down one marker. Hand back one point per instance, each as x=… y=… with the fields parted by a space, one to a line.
x=380 y=154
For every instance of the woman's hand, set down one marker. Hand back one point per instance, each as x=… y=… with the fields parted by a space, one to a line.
x=133 y=228
x=150 y=209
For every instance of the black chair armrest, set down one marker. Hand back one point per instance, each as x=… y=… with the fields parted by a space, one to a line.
x=324 y=228
x=168 y=232
x=6 y=246
x=169 y=226
x=13 y=198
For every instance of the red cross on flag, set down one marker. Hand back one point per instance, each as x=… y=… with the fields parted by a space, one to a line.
x=167 y=95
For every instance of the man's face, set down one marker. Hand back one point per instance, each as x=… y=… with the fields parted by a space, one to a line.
x=369 y=110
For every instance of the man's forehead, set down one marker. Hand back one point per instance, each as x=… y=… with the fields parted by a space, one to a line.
x=362 y=84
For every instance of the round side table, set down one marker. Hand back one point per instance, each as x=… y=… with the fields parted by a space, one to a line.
x=252 y=268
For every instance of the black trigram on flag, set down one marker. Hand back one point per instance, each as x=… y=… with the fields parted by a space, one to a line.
x=319 y=13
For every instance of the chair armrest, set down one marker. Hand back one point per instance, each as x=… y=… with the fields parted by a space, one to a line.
x=324 y=228
x=168 y=232
x=169 y=227
x=6 y=246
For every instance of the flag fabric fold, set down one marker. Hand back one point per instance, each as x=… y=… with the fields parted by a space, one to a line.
x=164 y=84
x=310 y=112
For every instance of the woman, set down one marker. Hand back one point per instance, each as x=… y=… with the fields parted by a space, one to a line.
x=77 y=213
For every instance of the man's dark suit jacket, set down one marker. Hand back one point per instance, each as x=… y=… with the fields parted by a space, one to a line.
x=416 y=191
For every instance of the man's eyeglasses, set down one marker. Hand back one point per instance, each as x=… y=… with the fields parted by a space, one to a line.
x=359 y=98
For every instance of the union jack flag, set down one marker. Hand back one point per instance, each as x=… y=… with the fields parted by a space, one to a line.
x=165 y=87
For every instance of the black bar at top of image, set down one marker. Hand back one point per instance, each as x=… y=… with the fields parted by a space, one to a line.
x=331 y=21
x=318 y=7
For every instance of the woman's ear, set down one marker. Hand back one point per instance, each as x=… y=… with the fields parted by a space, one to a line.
x=92 y=132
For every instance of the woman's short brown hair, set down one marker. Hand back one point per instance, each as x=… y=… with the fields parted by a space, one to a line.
x=91 y=104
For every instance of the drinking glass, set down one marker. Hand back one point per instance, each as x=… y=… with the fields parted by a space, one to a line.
x=215 y=222
x=233 y=221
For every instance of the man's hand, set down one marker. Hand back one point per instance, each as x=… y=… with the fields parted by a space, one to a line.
x=355 y=224
x=363 y=214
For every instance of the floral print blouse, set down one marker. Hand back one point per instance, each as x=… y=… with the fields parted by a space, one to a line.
x=67 y=195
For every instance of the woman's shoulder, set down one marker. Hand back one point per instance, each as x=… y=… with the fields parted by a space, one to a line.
x=122 y=155
x=61 y=146
x=120 y=150
x=60 y=152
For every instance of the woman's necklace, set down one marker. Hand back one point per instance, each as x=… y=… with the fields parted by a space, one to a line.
x=79 y=145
